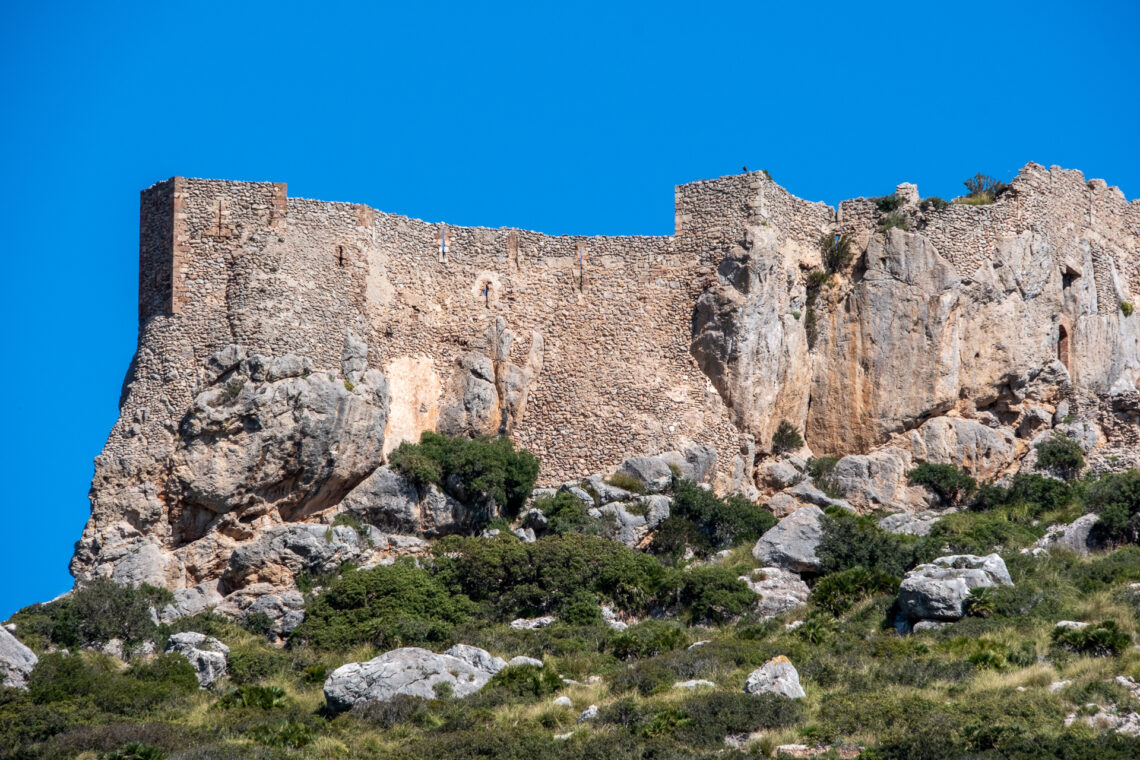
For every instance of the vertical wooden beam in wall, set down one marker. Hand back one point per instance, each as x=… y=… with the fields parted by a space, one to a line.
x=180 y=247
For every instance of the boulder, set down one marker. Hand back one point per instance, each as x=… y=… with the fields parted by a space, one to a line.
x=523 y=661
x=696 y=462
x=792 y=542
x=657 y=508
x=781 y=505
x=878 y=480
x=652 y=472
x=391 y=502
x=1074 y=537
x=623 y=526
x=779 y=590
x=778 y=474
x=590 y=713
x=459 y=672
x=938 y=591
x=579 y=493
x=191 y=601
x=562 y=702
x=919 y=524
x=206 y=654
x=982 y=451
x=532 y=624
x=777 y=676
x=16 y=661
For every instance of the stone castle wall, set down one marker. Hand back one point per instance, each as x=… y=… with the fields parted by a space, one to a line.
x=241 y=263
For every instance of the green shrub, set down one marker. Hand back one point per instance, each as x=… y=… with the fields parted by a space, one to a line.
x=836 y=251
x=821 y=470
x=982 y=602
x=389 y=606
x=258 y=623
x=894 y=220
x=888 y=203
x=525 y=681
x=982 y=190
x=1100 y=640
x=474 y=471
x=136 y=751
x=1038 y=493
x=706 y=522
x=713 y=715
x=980 y=532
x=945 y=480
x=258 y=697
x=289 y=734
x=1126 y=308
x=97 y=611
x=817 y=278
x=96 y=681
x=838 y=592
x=564 y=512
x=1061 y=454
x=786 y=438
x=714 y=594
x=933 y=203
x=626 y=482
x=649 y=639
x=1116 y=499
x=850 y=541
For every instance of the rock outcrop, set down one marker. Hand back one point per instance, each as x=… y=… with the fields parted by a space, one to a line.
x=16 y=661
x=791 y=543
x=207 y=655
x=777 y=676
x=939 y=590
x=458 y=672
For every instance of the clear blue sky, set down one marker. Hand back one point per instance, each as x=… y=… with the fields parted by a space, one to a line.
x=576 y=118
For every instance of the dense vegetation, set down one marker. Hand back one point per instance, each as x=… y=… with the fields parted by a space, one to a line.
x=984 y=687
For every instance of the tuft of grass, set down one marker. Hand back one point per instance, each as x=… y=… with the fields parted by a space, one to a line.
x=893 y=220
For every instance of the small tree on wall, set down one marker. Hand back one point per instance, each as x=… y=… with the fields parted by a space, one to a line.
x=786 y=438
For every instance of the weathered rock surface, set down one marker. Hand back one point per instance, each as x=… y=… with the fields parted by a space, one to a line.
x=390 y=502
x=16 y=661
x=460 y=671
x=206 y=654
x=777 y=676
x=278 y=554
x=792 y=542
x=919 y=524
x=779 y=590
x=652 y=472
x=1074 y=537
x=938 y=591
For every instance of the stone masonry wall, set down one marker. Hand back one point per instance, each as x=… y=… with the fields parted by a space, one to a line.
x=239 y=262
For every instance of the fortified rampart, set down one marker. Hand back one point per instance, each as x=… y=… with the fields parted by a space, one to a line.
x=241 y=263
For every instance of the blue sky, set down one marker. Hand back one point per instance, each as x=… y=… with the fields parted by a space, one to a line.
x=569 y=118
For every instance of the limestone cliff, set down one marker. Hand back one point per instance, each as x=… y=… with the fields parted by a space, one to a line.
x=286 y=346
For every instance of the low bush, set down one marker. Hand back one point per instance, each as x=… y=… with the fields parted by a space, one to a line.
x=626 y=482
x=287 y=734
x=933 y=203
x=1039 y=494
x=1126 y=308
x=894 y=220
x=1101 y=640
x=888 y=203
x=836 y=251
x=711 y=716
x=850 y=541
x=97 y=611
x=821 y=470
x=1116 y=499
x=258 y=697
x=480 y=472
x=838 y=592
x=708 y=523
x=136 y=751
x=786 y=438
x=948 y=482
x=525 y=681
x=564 y=512
x=389 y=606
x=1060 y=454
x=649 y=639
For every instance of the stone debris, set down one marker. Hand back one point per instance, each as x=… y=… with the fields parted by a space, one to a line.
x=779 y=590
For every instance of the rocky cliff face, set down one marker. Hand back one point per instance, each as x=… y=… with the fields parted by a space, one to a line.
x=254 y=416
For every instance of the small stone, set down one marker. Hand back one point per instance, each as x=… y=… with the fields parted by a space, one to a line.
x=590 y=713
x=563 y=702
